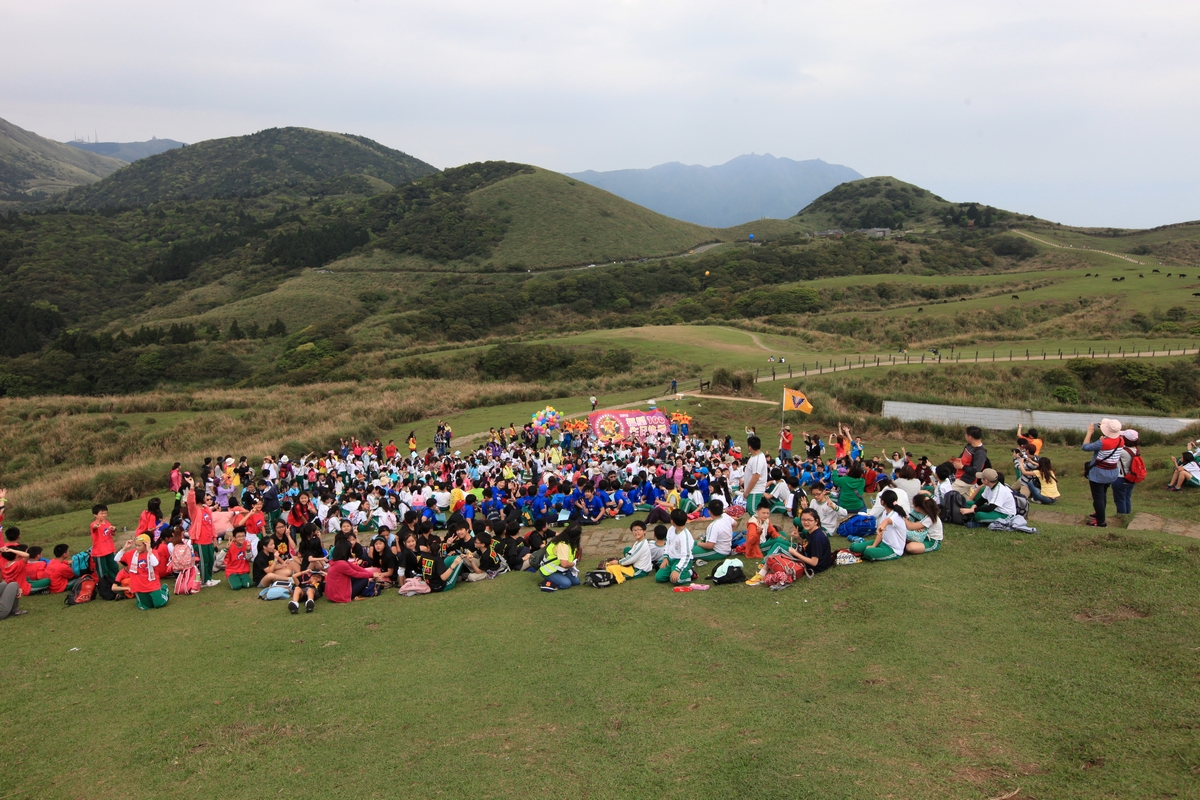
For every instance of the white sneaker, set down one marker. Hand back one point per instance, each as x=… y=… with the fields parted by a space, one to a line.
x=212 y=583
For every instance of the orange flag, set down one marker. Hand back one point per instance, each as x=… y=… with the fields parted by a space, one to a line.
x=796 y=401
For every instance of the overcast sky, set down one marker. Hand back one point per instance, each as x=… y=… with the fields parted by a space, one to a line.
x=1082 y=112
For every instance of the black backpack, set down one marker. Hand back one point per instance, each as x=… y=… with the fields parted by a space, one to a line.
x=733 y=574
x=952 y=505
x=599 y=579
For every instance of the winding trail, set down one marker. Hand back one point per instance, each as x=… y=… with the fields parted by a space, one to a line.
x=1073 y=247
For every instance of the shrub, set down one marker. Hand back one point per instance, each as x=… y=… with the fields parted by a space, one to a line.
x=1066 y=394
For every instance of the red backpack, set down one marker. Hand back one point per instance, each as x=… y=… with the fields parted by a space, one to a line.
x=82 y=592
x=1137 y=467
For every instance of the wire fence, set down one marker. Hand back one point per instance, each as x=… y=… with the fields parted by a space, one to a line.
x=956 y=356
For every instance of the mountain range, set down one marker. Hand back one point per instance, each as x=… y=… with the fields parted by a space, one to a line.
x=32 y=166
x=747 y=188
x=129 y=151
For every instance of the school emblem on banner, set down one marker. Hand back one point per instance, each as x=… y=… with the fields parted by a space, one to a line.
x=794 y=400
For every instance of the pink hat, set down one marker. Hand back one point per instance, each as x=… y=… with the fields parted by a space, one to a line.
x=1110 y=428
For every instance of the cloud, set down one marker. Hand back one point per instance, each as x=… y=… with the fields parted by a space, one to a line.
x=989 y=97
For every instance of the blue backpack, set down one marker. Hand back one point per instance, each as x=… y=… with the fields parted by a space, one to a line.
x=857 y=526
x=81 y=563
x=279 y=590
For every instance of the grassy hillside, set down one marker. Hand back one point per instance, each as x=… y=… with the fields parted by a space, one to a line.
x=32 y=166
x=560 y=220
x=302 y=159
x=885 y=202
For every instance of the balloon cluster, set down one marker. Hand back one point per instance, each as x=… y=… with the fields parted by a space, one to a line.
x=546 y=420
x=681 y=418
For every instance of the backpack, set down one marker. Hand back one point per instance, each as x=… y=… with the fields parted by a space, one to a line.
x=857 y=526
x=728 y=571
x=82 y=590
x=81 y=563
x=1022 y=504
x=1137 y=468
x=279 y=590
x=952 y=505
x=599 y=579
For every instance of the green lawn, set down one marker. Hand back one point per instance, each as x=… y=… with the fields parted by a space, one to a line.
x=1060 y=664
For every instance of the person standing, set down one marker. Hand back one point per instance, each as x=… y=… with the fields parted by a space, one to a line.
x=592 y=400
x=202 y=531
x=755 y=474
x=1123 y=486
x=1105 y=466
x=785 y=442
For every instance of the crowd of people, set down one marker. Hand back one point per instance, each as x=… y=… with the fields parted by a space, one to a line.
x=365 y=517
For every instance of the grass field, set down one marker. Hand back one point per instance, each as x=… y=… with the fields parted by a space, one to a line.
x=1060 y=665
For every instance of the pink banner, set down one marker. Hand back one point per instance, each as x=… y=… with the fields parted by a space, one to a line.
x=628 y=425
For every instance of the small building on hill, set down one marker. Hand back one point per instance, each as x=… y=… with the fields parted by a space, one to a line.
x=875 y=233
x=835 y=233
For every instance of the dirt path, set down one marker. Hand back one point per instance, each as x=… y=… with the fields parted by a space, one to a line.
x=1073 y=247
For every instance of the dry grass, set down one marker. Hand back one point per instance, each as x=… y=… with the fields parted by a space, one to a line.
x=60 y=453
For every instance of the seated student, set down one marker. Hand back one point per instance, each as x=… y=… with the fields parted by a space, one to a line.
x=237 y=561
x=1187 y=472
x=906 y=481
x=944 y=473
x=820 y=501
x=511 y=548
x=408 y=564
x=658 y=547
x=143 y=579
x=14 y=558
x=345 y=579
x=718 y=537
x=312 y=550
x=274 y=565
x=989 y=501
x=891 y=534
x=660 y=510
x=486 y=562
x=758 y=528
x=851 y=490
x=1042 y=483
x=440 y=574
x=676 y=566
x=535 y=543
x=588 y=508
x=59 y=571
x=814 y=553
x=924 y=535
x=622 y=501
x=310 y=585
x=877 y=510
x=430 y=513
x=638 y=555
x=560 y=570
x=382 y=562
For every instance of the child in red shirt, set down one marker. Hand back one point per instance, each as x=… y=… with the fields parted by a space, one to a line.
x=143 y=579
x=103 y=546
x=202 y=532
x=237 y=562
x=59 y=571
x=13 y=561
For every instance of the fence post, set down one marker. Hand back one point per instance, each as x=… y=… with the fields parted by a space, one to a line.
x=772 y=373
x=922 y=358
x=756 y=371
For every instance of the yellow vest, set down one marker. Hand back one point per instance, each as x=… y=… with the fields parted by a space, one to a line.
x=551 y=565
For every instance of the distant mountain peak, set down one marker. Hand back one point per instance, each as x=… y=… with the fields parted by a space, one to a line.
x=748 y=187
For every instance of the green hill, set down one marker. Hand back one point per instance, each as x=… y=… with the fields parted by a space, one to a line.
x=302 y=160
x=885 y=202
x=32 y=166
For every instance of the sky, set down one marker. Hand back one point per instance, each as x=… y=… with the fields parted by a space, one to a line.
x=1086 y=113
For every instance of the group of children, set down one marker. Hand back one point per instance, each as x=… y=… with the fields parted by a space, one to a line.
x=364 y=516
